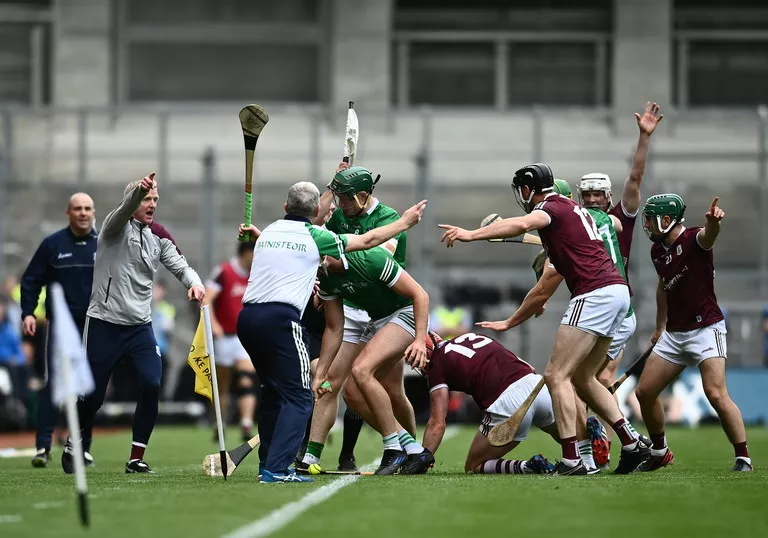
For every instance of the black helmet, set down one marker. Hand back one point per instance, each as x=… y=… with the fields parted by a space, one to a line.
x=537 y=177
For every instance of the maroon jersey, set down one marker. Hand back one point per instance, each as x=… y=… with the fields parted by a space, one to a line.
x=230 y=280
x=625 y=237
x=688 y=274
x=575 y=247
x=476 y=365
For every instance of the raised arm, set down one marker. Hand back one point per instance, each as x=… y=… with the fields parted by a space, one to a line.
x=438 y=411
x=708 y=234
x=116 y=220
x=630 y=196
x=173 y=260
x=532 y=304
x=501 y=229
x=377 y=236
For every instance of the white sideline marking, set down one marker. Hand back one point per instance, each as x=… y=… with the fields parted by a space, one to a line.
x=10 y=518
x=46 y=505
x=280 y=517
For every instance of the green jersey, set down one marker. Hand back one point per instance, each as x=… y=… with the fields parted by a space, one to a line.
x=378 y=215
x=607 y=232
x=367 y=283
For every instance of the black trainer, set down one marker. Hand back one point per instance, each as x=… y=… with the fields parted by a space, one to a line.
x=741 y=465
x=561 y=469
x=41 y=458
x=391 y=461
x=137 y=466
x=68 y=462
x=347 y=463
x=301 y=467
x=631 y=459
x=418 y=463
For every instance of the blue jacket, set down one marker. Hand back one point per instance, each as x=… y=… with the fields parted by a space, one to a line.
x=10 y=345
x=67 y=259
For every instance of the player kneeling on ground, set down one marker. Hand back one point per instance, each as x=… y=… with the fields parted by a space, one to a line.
x=499 y=382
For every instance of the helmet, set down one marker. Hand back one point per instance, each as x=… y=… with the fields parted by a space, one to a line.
x=432 y=342
x=663 y=205
x=563 y=188
x=537 y=177
x=353 y=180
x=594 y=182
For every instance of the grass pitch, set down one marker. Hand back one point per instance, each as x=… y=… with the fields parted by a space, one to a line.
x=697 y=496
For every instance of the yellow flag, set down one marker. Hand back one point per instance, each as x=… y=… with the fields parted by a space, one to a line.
x=200 y=361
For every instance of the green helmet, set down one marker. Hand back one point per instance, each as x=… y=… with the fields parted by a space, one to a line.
x=353 y=180
x=663 y=205
x=563 y=188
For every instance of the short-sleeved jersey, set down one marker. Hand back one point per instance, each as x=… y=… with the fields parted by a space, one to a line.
x=625 y=236
x=230 y=281
x=285 y=261
x=367 y=283
x=688 y=274
x=610 y=239
x=376 y=216
x=575 y=247
x=476 y=365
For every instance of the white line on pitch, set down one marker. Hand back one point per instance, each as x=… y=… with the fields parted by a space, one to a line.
x=280 y=517
x=10 y=518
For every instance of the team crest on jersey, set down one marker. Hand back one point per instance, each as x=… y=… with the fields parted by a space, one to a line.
x=679 y=249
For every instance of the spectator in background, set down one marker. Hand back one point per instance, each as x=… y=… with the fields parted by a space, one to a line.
x=11 y=356
x=450 y=320
x=163 y=319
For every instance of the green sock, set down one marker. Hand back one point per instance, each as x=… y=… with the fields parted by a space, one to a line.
x=314 y=451
x=409 y=443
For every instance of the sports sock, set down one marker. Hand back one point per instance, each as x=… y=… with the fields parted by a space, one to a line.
x=137 y=451
x=585 y=451
x=628 y=441
x=505 y=467
x=353 y=423
x=741 y=450
x=391 y=442
x=570 y=454
x=409 y=444
x=314 y=451
x=659 y=441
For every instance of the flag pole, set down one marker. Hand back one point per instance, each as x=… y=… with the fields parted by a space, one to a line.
x=73 y=423
x=214 y=381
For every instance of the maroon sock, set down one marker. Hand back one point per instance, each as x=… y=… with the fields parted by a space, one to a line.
x=137 y=452
x=569 y=448
x=659 y=441
x=741 y=450
x=621 y=427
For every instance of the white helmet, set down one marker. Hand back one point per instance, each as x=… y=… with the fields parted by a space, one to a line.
x=594 y=182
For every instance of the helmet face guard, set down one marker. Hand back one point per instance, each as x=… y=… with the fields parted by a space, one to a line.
x=538 y=178
x=660 y=206
x=595 y=182
x=351 y=181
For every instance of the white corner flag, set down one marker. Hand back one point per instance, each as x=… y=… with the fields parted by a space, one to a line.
x=71 y=377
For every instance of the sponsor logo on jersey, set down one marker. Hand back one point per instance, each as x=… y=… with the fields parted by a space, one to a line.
x=671 y=283
x=63 y=255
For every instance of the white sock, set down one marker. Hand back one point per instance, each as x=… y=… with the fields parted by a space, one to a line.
x=585 y=451
x=391 y=442
x=409 y=444
x=246 y=423
x=309 y=459
x=742 y=458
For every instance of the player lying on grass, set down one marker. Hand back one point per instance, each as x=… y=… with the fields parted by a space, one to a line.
x=690 y=328
x=399 y=310
x=499 y=382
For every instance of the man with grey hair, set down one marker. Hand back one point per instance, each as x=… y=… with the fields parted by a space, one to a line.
x=118 y=326
x=286 y=258
x=66 y=257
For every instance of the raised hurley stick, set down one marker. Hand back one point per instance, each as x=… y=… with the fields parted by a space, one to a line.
x=253 y=118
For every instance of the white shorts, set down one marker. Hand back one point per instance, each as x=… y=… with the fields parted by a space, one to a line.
x=355 y=322
x=540 y=413
x=600 y=311
x=402 y=318
x=691 y=348
x=229 y=350
x=622 y=336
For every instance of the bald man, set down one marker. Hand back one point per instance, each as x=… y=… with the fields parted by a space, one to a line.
x=66 y=257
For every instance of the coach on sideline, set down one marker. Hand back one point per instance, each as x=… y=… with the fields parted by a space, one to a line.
x=131 y=246
x=285 y=263
x=66 y=257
